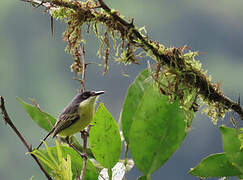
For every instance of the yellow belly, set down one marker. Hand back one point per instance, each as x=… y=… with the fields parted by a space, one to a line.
x=86 y=116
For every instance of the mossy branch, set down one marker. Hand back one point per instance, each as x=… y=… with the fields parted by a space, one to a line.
x=178 y=74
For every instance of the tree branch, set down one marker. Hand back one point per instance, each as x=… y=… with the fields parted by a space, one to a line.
x=171 y=58
x=205 y=88
x=84 y=136
x=29 y=148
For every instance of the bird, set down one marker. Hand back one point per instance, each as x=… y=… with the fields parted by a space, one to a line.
x=75 y=116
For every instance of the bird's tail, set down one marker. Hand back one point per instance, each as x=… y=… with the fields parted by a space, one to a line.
x=45 y=138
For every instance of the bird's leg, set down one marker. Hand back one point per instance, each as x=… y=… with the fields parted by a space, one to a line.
x=74 y=148
x=84 y=134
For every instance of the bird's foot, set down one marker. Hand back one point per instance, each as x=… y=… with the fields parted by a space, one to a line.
x=84 y=134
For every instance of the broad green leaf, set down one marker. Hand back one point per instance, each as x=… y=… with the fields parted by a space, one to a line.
x=104 y=138
x=134 y=94
x=41 y=118
x=76 y=161
x=241 y=137
x=232 y=146
x=231 y=142
x=157 y=131
x=215 y=165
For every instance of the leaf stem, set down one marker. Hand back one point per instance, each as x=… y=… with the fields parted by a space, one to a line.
x=110 y=173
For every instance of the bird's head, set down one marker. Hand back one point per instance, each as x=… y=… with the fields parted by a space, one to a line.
x=87 y=97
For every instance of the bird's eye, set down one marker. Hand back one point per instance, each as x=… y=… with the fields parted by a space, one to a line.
x=85 y=95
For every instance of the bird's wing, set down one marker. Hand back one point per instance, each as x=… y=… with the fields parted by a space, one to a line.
x=66 y=119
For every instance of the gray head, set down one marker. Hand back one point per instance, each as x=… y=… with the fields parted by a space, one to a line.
x=86 y=95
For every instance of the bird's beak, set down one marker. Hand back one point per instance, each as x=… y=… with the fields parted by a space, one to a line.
x=97 y=93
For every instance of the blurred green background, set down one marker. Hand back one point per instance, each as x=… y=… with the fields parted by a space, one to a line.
x=34 y=64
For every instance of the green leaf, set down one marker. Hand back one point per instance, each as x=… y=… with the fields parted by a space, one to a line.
x=157 y=131
x=76 y=161
x=104 y=138
x=240 y=177
x=215 y=165
x=232 y=146
x=66 y=165
x=231 y=142
x=134 y=94
x=41 y=118
x=143 y=178
x=240 y=136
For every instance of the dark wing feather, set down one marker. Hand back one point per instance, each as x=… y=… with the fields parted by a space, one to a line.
x=66 y=119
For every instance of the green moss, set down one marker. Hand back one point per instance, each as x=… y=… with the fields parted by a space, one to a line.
x=177 y=72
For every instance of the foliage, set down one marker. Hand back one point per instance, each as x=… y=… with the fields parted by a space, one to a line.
x=158 y=110
x=153 y=127
x=104 y=139
x=43 y=119
x=226 y=164
x=215 y=165
x=63 y=163
x=61 y=168
x=134 y=94
x=178 y=73
x=156 y=130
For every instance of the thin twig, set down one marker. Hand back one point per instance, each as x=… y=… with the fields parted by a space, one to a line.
x=234 y=123
x=29 y=148
x=52 y=26
x=37 y=3
x=72 y=146
x=82 y=52
x=83 y=69
x=84 y=136
x=78 y=146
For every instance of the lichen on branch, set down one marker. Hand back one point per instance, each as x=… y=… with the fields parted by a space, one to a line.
x=178 y=74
